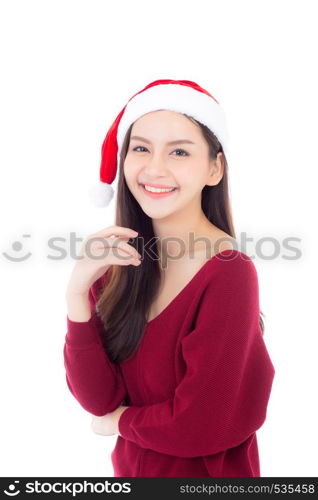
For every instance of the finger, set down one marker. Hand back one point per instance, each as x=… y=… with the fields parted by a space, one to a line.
x=117 y=231
x=117 y=246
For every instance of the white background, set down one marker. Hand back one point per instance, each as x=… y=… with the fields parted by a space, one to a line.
x=67 y=69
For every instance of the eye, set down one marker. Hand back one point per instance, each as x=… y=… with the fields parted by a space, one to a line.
x=135 y=149
x=183 y=151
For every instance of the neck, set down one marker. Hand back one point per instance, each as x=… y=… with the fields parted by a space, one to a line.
x=182 y=233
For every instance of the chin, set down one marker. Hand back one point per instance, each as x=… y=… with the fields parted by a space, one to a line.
x=157 y=214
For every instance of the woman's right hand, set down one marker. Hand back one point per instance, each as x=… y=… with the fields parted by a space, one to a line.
x=99 y=251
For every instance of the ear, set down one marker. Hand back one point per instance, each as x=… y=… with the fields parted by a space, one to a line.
x=216 y=170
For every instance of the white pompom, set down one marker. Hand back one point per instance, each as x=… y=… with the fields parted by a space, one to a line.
x=101 y=194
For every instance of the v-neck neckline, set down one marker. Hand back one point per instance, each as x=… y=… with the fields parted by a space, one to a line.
x=188 y=285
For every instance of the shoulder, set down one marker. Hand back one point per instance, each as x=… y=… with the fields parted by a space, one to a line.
x=230 y=290
x=231 y=269
x=227 y=258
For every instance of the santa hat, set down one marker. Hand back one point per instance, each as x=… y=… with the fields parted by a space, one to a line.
x=182 y=96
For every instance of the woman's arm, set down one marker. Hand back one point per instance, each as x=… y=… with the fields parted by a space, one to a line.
x=78 y=307
x=95 y=382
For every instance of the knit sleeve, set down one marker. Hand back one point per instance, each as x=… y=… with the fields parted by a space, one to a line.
x=95 y=382
x=222 y=398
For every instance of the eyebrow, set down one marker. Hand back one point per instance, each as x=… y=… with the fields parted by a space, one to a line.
x=179 y=141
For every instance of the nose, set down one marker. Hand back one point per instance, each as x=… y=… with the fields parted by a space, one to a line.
x=155 y=166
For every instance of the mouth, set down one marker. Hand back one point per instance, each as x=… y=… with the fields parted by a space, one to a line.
x=156 y=193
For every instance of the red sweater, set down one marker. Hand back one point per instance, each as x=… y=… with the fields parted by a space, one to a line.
x=197 y=387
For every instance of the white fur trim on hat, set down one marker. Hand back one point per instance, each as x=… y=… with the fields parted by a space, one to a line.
x=179 y=98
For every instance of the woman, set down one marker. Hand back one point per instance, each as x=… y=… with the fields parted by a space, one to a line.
x=165 y=347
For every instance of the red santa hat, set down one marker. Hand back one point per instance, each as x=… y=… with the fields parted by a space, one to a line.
x=182 y=96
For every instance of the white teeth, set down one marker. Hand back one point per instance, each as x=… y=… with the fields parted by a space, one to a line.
x=158 y=190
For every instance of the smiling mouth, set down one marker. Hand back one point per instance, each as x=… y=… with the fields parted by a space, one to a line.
x=157 y=194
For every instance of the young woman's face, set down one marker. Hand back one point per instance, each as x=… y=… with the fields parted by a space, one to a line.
x=151 y=160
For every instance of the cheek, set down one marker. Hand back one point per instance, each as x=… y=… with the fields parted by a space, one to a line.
x=131 y=170
x=187 y=177
x=193 y=175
